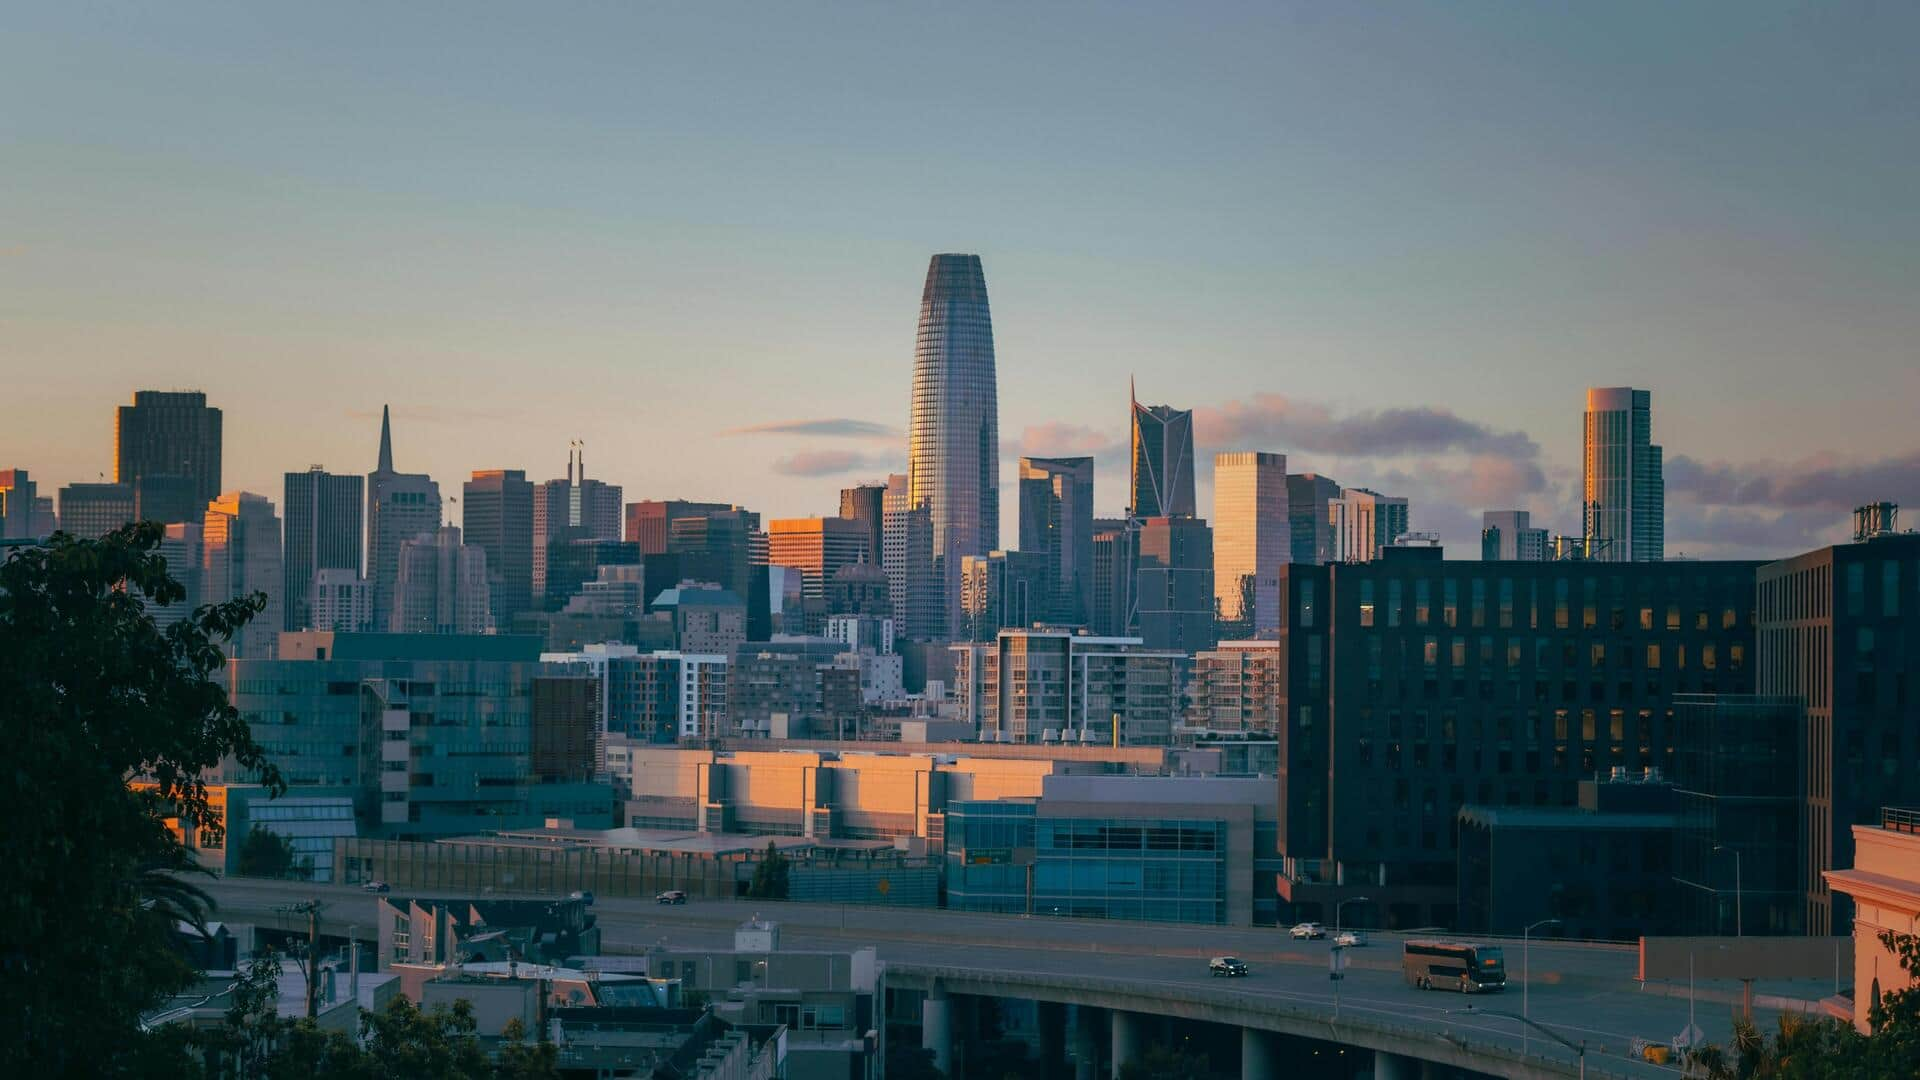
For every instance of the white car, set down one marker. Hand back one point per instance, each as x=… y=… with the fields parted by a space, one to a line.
x=1350 y=939
x=1307 y=931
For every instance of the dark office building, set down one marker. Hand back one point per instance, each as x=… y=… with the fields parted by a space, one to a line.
x=169 y=434
x=498 y=519
x=168 y=498
x=572 y=561
x=1174 y=584
x=321 y=512
x=1840 y=631
x=1114 y=545
x=866 y=504
x=566 y=729
x=91 y=511
x=1738 y=774
x=1603 y=868
x=1415 y=686
x=715 y=546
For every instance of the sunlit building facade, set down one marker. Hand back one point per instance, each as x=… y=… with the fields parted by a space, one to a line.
x=1624 y=480
x=1252 y=535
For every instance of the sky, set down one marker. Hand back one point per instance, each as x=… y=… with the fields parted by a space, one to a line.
x=1394 y=242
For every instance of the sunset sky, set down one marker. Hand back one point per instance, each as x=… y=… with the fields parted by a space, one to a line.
x=1395 y=243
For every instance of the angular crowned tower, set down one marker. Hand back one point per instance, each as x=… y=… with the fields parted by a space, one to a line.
x=953 y=433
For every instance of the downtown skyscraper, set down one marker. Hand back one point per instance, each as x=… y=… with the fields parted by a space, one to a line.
x=1162 y=466
x=173 y=434
x=497 y=511
x=564 y=511
x=400 y=506
x=322 y=533
x=1056 y=521
x=1624 y=500
x=953 y=428
x=240 y=555
x=1252 y=536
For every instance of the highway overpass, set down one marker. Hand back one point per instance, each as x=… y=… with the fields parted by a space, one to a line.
x=1125 y=978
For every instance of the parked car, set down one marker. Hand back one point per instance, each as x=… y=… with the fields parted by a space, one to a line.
x=1226 y=967
x=671 y=896
x=1351 y=939
x=585 y=896
x=374 y=886
x=1308 y=931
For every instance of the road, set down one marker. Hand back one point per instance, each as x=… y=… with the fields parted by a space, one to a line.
x=1584 y=992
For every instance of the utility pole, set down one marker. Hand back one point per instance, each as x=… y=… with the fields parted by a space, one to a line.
x=311 y=909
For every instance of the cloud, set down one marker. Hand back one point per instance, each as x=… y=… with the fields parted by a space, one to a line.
x=842 y=427
x=1280 y=421
x=1058 y=439
x=1823 y=482
x=831 y=462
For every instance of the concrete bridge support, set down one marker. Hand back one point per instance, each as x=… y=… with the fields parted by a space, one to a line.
x=1129 y=1038
x=1259 y=1057
x=1400 y=1067
x=936 y=1027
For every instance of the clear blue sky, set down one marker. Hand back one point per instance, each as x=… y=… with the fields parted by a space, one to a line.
x=1395 y=243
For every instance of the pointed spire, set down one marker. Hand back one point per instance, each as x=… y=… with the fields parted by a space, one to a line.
x=386 y=441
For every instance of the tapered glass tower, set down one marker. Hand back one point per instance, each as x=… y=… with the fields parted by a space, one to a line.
x=953 y=434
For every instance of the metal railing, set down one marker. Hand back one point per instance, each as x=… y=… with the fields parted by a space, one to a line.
x=1900 y=819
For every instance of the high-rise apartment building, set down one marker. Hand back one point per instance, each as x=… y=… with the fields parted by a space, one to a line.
x=1840 y=632
x=241 y=555
x=1365 y=523
x=322 y=517
x=907 y=558
x=953 y=427
x=1051 y=686
x=1310 y=499
x=91 y=511
x=817 y=547
x=650 y=521
x=1625 y=495
x=867 y=504
x=1238 y=686
x=169 y=434
x=18 y=493
x=1509 y=536
x=497 y=511
x=1174 y=584
x=400 y=507
x=1056 y=522
x=339 y=600
x=1162 y=461
x=575 y=508
x=441 y=587
x=1252 y=535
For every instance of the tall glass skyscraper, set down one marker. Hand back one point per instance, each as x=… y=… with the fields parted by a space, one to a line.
x=1162 y=461
x=1252 y=535
x=953 y=433
x=1625 y=495
x=1056 y=520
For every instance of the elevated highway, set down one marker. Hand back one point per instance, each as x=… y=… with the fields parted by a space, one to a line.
x=1132 y=975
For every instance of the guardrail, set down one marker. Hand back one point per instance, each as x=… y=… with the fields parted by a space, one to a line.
x=1899 y=819
x=1451 y=1044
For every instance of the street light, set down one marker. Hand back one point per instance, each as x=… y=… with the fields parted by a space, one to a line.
x=1579 y=1048
x=1739 y=920
x=1526 y=973
x=1337 y=908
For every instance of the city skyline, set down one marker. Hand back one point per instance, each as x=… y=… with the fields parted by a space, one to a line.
x=1312 y=304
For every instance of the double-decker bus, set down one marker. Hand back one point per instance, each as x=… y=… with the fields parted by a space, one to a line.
x=1455 y=965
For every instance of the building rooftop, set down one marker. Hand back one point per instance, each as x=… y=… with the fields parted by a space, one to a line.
x=307 y=645
x=678 y=842
x=1571 y=817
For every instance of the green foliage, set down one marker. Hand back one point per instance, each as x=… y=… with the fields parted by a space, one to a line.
x=266 y=854
x=770 y=876
x=1823 y=1048
x=1162 y=1062
x=91 y=695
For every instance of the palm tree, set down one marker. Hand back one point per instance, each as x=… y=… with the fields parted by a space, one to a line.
x=165 y=895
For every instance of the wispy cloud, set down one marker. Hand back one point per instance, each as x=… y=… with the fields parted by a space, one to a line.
x=1058 y=439
x=836 y=427
x=1822 y=482
x=1277 y=420
x=832 y=463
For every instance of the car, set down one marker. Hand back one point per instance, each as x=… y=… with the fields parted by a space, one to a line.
x=671 y=896
x=1308 y=931
x=585 y=896
x=1226 y=967
x=374 y=886
x=1350 y=939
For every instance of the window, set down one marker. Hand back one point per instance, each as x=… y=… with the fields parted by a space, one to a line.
x=1479 y=602
x=1506 y=603
x=1890 y=588
x=1306 y=603
x=1366 y=603
x=1422 y=602
x=1653 y=658
x=1450 y=601
x=1560 y=604
x=1393 y=602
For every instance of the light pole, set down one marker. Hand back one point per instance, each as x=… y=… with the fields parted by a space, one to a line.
x=1579 y=1048
x=1739 y=916
x=1526 y=974
x=1341 y=906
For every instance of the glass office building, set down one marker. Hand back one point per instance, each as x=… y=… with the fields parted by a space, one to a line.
x=1003 y=856
x=953 y=430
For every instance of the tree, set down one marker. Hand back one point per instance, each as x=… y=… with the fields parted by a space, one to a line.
x=266 y=854
x=93 y=694
x=1162 y=1062
x=770 y=876
x=520 y=1060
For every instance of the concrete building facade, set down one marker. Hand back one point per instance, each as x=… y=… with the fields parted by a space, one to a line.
x=322 y=512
